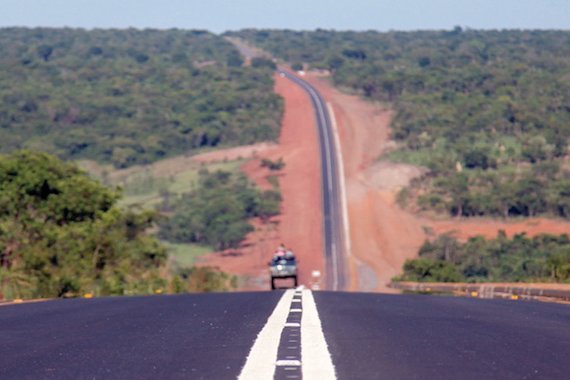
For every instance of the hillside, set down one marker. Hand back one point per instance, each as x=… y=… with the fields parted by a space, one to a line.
x=485 y=111
x=129 y=97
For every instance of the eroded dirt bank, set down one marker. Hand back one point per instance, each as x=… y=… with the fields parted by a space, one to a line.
x=383 y=235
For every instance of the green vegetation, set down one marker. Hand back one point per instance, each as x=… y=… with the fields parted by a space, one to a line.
x=486 y=111
x=61 y=234
x=544 y=258
x=216 y=212
x=273 y=165
x=203 y=279
x=186 y=255
x=147 y=190
x=195 y=197
x=130 y=97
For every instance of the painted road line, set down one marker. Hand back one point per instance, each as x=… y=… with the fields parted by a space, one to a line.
x=323 y=122
x=260 y=363
x=276 y=353
x=288 y=363
x=342 y=181
x=315 y=355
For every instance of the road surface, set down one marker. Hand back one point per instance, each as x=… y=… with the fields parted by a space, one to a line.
x=333 y=229
x=212 y=336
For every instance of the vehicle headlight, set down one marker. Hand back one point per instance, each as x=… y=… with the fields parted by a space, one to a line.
x=279 y=267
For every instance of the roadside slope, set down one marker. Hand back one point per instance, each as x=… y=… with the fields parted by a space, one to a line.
x=384 y=235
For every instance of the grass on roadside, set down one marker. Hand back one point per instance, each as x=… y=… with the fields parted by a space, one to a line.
x=186 y=255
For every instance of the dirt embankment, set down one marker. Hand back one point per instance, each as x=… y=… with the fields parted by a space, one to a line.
x=383 y=235
x=300 y=224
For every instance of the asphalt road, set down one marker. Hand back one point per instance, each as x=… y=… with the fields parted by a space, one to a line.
x=333 y=232
x=369 y=336
x=374 y=336
x=203 y=336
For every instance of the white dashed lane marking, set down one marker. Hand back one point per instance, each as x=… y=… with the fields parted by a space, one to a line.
x=291 y=345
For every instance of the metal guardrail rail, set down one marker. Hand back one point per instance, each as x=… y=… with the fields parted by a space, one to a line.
x=545 y=292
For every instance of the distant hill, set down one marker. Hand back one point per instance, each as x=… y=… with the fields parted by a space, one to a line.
x=129 y=97
x=488 y=112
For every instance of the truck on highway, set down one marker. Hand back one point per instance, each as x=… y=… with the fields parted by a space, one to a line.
x=283 y=267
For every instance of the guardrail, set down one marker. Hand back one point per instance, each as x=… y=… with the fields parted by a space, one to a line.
x=541 y=292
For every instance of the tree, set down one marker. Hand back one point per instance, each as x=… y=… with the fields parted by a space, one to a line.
x=45 y=51
x=297 y=66
x=91 y=104
x=217 y=212
x=530 y=198
x=495 y=101
x=430 y=271
x=560 y=198
x=61 y=234
x=263 y=62
x=477 y=158
x=458 y=188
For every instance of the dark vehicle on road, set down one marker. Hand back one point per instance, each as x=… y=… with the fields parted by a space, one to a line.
x=283 y=267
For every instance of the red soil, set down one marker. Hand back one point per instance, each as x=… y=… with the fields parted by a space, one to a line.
x=300 y=224
x=383 y=235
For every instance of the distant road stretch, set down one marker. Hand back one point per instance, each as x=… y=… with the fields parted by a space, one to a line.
x=336 y=274
x=278 y=335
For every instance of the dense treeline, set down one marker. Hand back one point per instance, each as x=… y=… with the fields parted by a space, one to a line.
x=216 y=213
x=129 y=96
x=61 y=234
x=520 y=259
x=486 y=111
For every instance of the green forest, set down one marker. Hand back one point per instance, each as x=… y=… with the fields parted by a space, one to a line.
x=124 y=98
x=216 y=213
x=63 y=234
x=129 y=97
x=544 y=258
x=487 y=112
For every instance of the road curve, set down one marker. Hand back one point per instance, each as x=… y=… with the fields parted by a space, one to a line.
x=333 y=234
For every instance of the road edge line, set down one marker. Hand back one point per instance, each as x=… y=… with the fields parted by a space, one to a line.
x=345 y=220
x=260 y=362
x=315 y=355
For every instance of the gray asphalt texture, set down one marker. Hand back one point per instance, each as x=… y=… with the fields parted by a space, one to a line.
x=205 y=336
x=373 y=336
x=370 y=336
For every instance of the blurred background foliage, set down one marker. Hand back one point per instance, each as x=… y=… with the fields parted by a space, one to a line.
x=130 y=97
x=544 y=258
x=487 y=112
x=63 y=235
